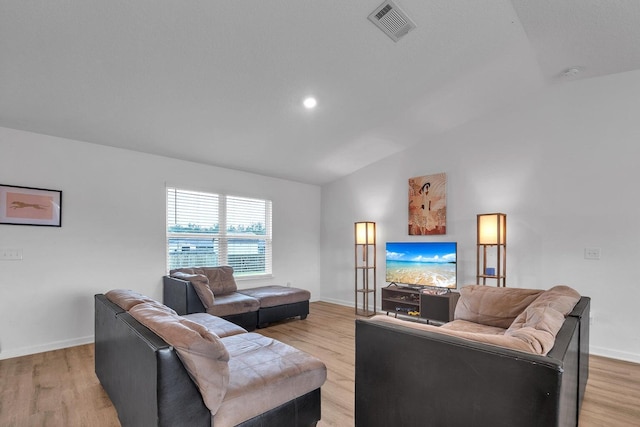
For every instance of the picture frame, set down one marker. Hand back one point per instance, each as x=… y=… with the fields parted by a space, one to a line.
x=30 y=206
x=428 y=205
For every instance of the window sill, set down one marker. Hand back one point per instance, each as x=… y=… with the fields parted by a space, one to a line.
x=253 y=277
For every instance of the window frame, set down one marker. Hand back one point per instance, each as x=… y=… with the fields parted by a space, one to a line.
x=223 y=238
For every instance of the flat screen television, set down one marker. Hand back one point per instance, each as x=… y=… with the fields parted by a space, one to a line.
x=422 y=264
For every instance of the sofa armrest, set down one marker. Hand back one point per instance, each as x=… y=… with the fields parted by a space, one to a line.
x=404 y=375
x=582 y=311
x=181 y=296
x=142 y=374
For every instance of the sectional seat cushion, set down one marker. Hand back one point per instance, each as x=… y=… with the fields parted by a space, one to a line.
x=217 y=325
x=533 y=329
x=497 y=339
x=201 y=351
x=466 y=326
x=233 y=303
x=272 y=296
x=264 y=373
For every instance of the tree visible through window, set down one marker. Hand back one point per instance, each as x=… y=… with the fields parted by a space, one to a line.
x=209 y=230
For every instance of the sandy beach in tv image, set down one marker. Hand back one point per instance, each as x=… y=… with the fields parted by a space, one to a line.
x=421 y=263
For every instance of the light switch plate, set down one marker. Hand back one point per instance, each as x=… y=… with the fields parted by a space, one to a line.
x=10 y=254
x=591 y=253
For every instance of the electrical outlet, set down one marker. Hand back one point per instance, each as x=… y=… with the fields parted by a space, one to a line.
x=10 y=254
x=591 y=253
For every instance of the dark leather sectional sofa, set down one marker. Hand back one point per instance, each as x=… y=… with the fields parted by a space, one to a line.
x=148 y=381
x=213 y=290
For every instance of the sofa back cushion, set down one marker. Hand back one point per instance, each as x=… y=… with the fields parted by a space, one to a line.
x=493 y=306
x=540 y=322
x=221 y=279
x=199 y=281
x=200 y=350
x=127 y=299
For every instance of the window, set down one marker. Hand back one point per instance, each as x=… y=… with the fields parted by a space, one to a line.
x=209 y=230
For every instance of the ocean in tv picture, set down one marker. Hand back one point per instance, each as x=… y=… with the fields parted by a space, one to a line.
x=422 y=273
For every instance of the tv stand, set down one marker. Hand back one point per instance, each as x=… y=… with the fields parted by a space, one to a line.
x=420 y=302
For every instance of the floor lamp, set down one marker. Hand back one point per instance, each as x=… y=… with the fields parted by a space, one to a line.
x=492 y=238
x=365 y=267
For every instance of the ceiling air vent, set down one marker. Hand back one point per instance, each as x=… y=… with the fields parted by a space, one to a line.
x=392 y=20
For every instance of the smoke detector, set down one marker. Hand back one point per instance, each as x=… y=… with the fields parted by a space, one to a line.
x=572 y=72
x=392 y=20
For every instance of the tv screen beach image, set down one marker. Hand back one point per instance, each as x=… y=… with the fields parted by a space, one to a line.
x=421 y=263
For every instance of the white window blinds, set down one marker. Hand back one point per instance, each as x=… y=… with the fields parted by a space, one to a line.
x=208 y=230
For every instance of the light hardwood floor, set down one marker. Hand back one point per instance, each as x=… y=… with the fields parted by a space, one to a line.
x=59 y=388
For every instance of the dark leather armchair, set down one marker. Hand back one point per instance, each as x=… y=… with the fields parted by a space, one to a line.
x=405 y=376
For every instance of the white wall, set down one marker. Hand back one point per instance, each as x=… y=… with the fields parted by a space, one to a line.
x=113 y=233
x=563 y=166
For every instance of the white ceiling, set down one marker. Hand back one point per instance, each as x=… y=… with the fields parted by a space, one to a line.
x=221 y=82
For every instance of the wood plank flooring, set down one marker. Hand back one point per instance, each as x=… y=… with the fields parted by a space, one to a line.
x=59 y=388
x=612 y=397
x=55 y=388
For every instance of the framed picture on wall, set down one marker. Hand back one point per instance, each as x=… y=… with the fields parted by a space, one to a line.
x=428 y=204
x=30 y=206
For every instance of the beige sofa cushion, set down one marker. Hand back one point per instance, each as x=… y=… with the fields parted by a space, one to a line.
x=221 y=279
x=493 y=306
x=199 y=281
x=127 y=299
x=533 y=331
x=264 y=374
x=220 y=327
x=466 y=326
x=273 y=296
x=540 y=322
x=201 y=351
x=499 y=340
x=233 y=303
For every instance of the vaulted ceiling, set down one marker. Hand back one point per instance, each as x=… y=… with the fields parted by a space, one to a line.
x=221 y=82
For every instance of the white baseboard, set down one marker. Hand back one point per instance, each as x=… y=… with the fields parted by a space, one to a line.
x=57 y=345
x=614 y=354
x=350 y=304
x=339 y=302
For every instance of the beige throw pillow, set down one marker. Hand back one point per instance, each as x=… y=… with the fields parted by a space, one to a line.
x=200 y=350
x=200 y=284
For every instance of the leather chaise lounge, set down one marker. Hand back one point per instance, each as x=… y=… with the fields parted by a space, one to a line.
x=162 y=369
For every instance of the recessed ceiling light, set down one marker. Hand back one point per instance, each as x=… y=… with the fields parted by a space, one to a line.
x=310 y=102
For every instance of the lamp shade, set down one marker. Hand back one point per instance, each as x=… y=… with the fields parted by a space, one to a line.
x=492 y=229
x=365 y=233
